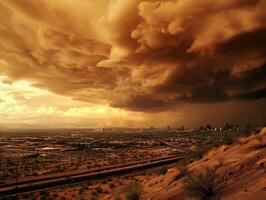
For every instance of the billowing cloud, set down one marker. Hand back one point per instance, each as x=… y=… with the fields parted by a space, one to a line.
x=138 y=55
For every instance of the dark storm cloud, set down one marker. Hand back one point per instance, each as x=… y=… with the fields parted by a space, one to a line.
x=138 y=55
x=257 y=94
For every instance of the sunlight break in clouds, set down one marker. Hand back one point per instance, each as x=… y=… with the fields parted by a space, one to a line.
x=22 y=104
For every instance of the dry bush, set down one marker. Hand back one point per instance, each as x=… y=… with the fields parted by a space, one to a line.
x=181 y=173
x=162 y=170
x=99 y=189
x=111 y=185
x=228 y=139
x=133 y=191
x=81 y=190
x=200 y=184
x=117 y=197
x=200 y=152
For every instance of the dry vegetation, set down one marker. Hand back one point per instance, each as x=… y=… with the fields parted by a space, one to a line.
x=200 y=184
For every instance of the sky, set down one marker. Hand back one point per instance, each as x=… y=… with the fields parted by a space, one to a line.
x=131 y=63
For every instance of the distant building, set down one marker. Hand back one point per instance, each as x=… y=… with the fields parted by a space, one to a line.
x=208 y=127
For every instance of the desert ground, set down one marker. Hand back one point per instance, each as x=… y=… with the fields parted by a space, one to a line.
x=232 y=171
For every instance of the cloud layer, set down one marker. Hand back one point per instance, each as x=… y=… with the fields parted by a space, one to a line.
x=139 y=55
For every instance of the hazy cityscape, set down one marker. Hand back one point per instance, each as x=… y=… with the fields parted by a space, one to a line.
x=32 y=157
x=39 y=152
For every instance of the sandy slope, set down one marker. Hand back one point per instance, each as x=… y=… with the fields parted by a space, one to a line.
x=241 y=173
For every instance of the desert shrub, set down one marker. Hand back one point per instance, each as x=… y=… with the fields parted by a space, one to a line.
x=117 y=197
x=94 y=193
x=261 y=144
x=200 y=152
x=35 y=173
x=162 y=170
x=43 y=193
x=89 y=183
x=144 y=173
x=93 y=198
x=228 y=139
x=111 y=185
x=81 y=190
x=200 y=184
x=133 y=191
x=182 y=173
x=99 y=189
x=25 y=196
x=55 y=195
x=43 y=197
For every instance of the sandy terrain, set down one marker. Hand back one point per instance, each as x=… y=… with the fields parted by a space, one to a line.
x=241 y=172
x=240 y=175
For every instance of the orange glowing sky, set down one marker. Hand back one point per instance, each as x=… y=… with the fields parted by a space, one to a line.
x=133 y=63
